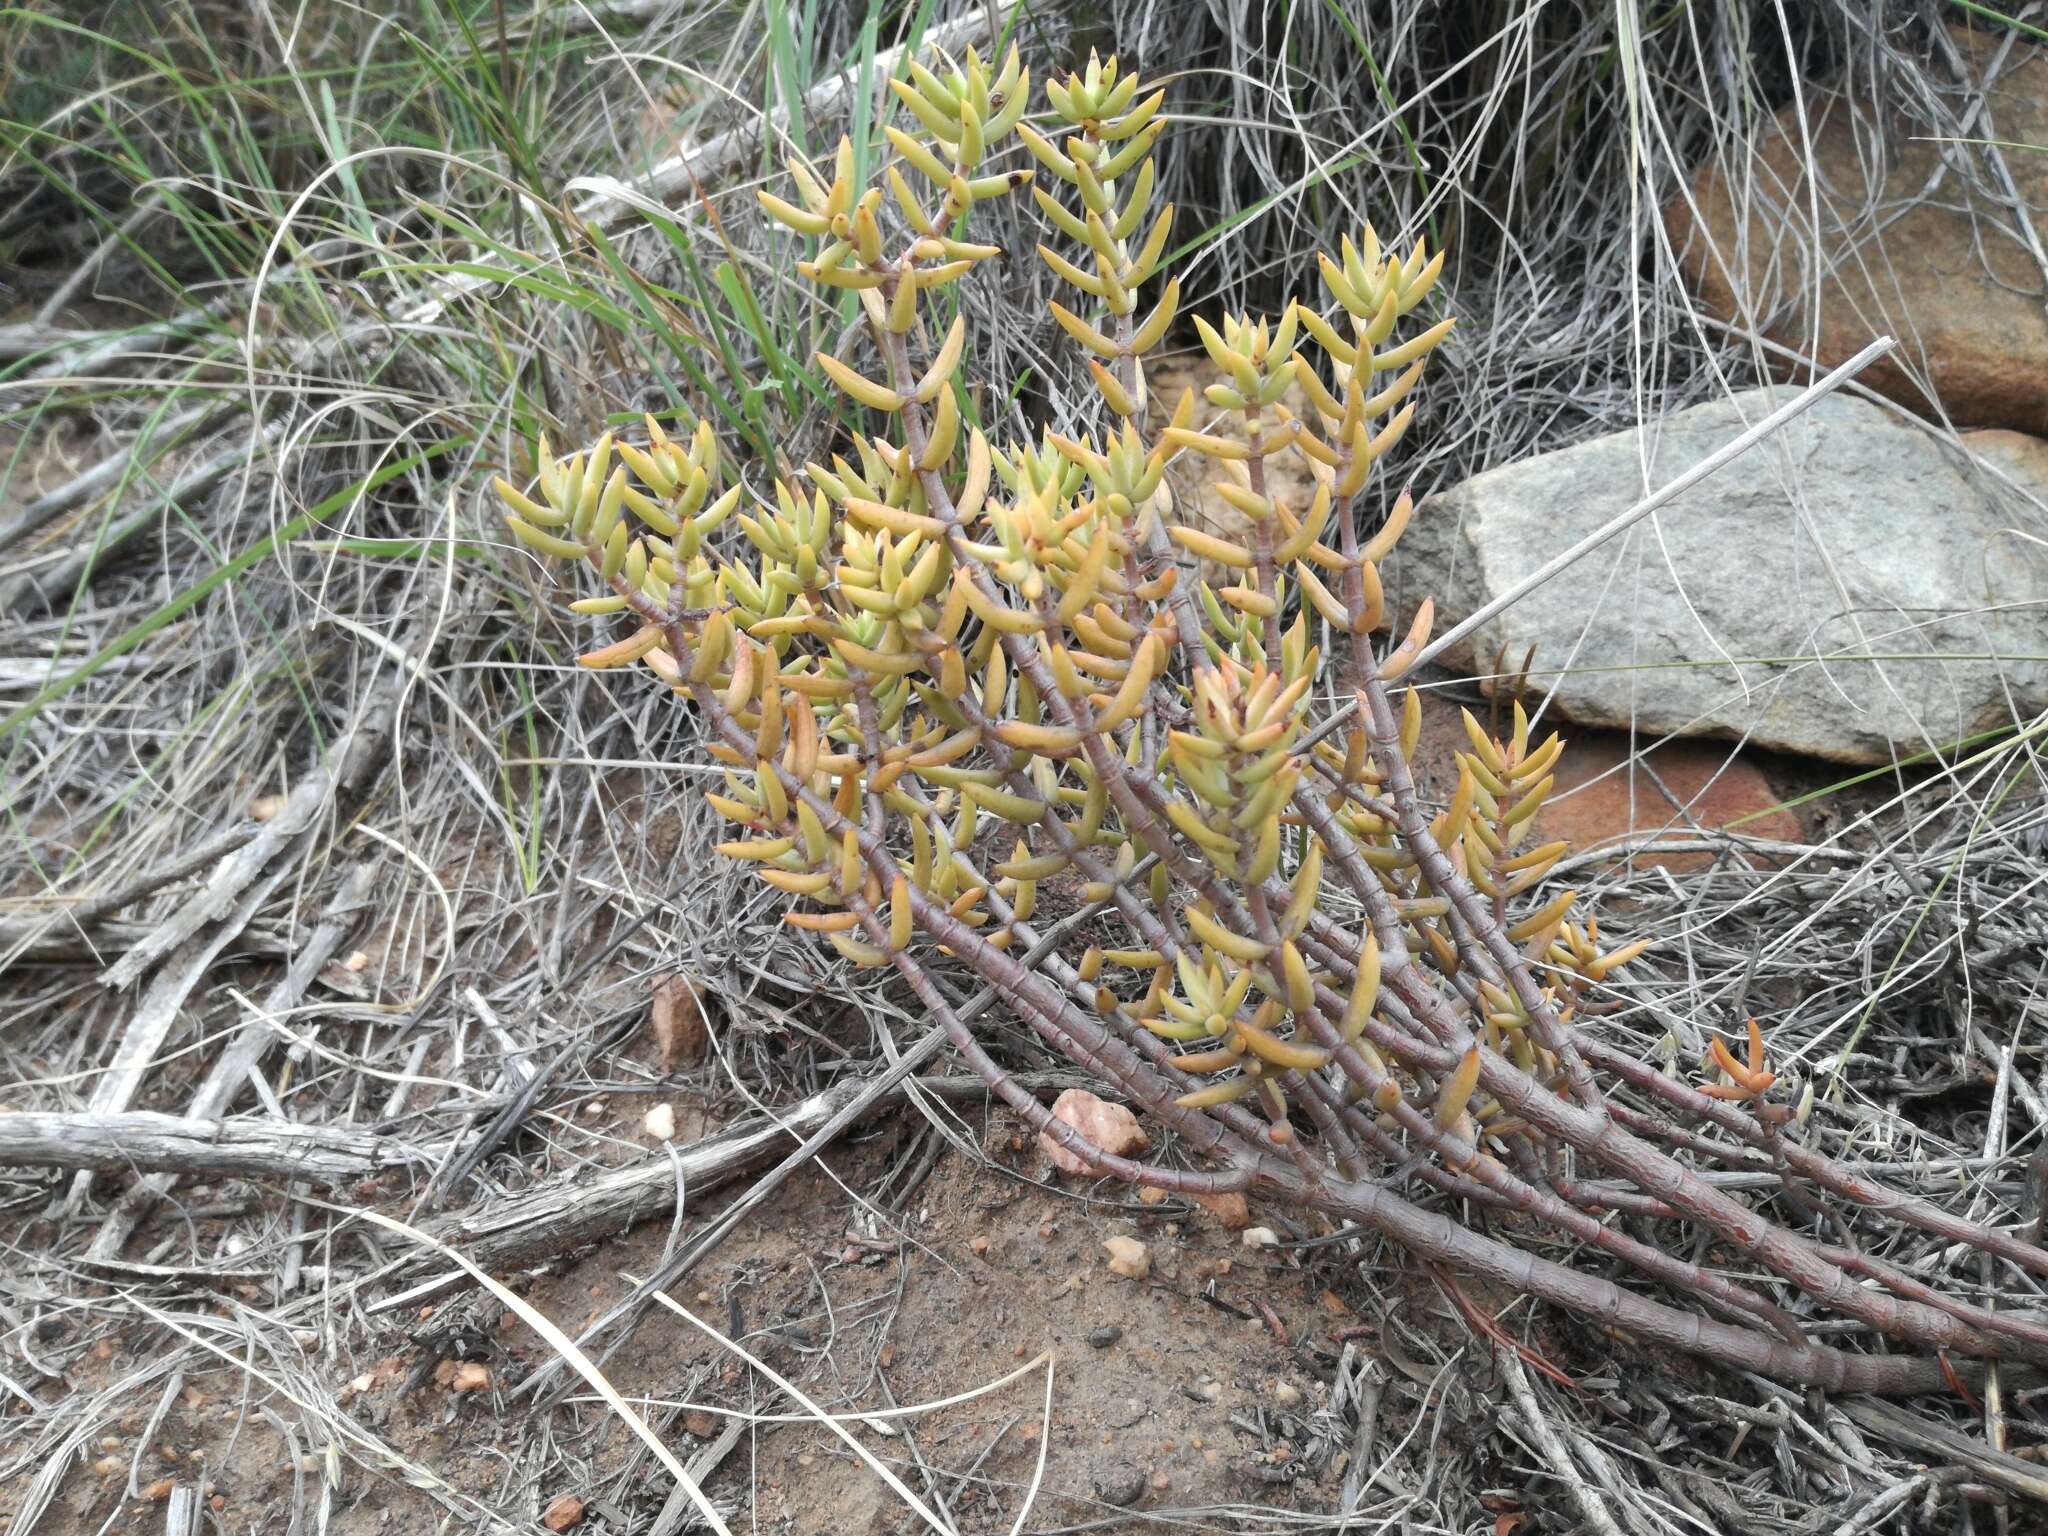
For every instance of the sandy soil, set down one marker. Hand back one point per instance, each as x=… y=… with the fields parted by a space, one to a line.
x=1205 y=1385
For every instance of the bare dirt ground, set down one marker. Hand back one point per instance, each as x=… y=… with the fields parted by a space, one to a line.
x=1205 y=1386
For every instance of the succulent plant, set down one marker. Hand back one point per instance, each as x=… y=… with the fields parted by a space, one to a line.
x=950 y=679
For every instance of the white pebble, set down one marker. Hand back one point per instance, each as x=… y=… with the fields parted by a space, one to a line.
x=1128 y=1257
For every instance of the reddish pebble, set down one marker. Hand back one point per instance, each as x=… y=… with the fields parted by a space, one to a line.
x=1230 y=1209
x=1109 y=1127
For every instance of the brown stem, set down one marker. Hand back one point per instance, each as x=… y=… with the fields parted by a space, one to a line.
x=1823 y=1170
x=1025 y=1103
x=1443 y=878
x=1430 y=1235
x=1598 y=1135
x=1542 y=1204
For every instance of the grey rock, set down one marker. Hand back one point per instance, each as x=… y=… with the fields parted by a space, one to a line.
x=1852 y=589
x=1122 y=1486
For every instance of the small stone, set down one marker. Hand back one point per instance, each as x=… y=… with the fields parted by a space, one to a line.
x=346 y=975
x=1259 y=1237
x=700 y=1423
x=1128 y=1257
x=979 y=1246
x=1286 y=1394
x=675 y=1017
x=1102 y=1338
x=1108 y=1126
x=1123 y=1487
x=1160 y=1480
x=1210 y=1389
x=1151 y=1194
x=1229 y=1208
x=660 y=1123
x=563 y=1511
